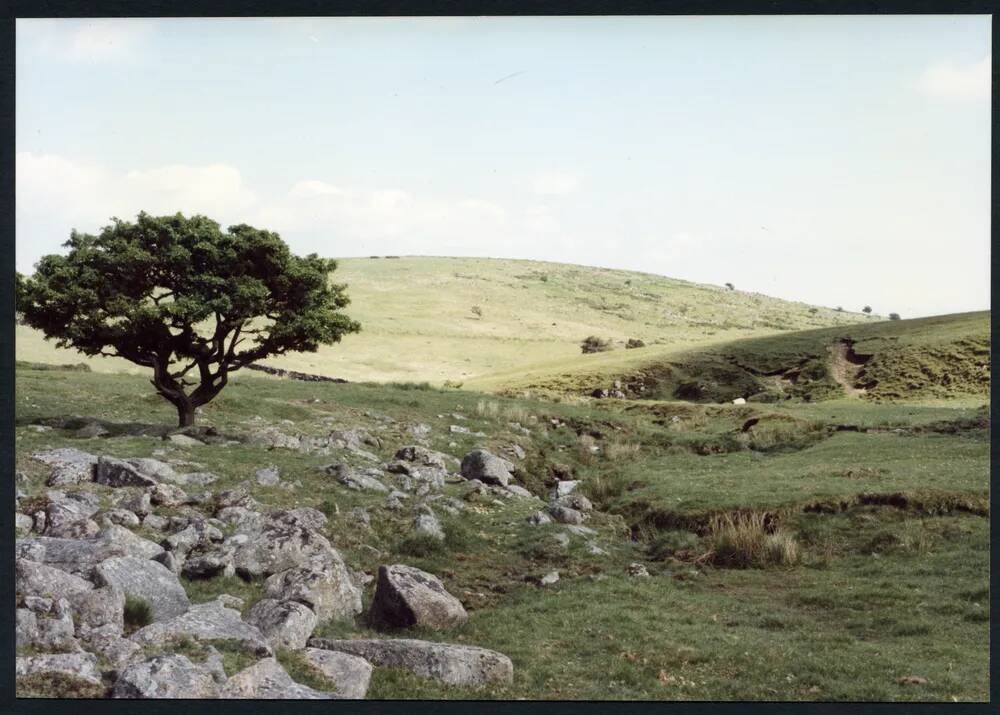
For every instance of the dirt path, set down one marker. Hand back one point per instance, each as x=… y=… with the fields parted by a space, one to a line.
x=844 y=370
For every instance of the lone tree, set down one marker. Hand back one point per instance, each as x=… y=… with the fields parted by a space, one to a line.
x=867 y=310
x=177 y=294
x=894 y=316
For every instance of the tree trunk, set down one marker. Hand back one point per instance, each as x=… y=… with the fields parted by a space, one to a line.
x=185 y=414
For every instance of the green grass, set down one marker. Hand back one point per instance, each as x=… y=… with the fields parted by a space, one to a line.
x=417 y=324
x=891 y=577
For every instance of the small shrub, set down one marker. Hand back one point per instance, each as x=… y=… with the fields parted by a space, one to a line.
x=813 y=311
x=867 y=310
x=488 y=408
x=634 y=343
x=407 y=385
x=138 y=613
x=421 y=545
x=743 y=541
x=839 y=309
x=894 y=316
x=594 y=344
x=477 y=311
x=730 y=286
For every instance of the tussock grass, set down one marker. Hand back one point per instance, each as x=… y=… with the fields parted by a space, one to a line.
x=617 y=450
x=743 y=540
x=138 y=613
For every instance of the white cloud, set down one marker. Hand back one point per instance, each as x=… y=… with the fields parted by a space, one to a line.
x=947 y=80
x=101 y=39
x=558 y=182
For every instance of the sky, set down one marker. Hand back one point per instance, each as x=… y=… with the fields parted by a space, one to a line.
x=835 y=160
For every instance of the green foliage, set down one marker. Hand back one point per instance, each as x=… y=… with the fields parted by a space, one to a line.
x=173 y=293
x=138 y=613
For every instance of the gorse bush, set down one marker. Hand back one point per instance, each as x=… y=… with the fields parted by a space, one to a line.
x=594 y=344
x=744 y=541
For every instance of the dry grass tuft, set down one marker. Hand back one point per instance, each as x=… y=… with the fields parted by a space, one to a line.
x=744 y=541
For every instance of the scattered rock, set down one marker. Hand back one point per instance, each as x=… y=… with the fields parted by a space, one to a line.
x=69 y=466
x=38 y=579
x=285 y=624
x=539 y=517
x=78 y=665
x=266 y=679
x=552 y=577
x=167 y=495
x=328 y=591
x=565 y=515
x=350 y=672
x=574 y=501
x=406 y=596
x=450 y=664
x=428 y=525
x=486 y=467
x=113 y=472
x=206 y=621
x=146 y=579
x=638 y=570
x=365 y=480
x=565 y=488
x=166 y=676
x=268 y=476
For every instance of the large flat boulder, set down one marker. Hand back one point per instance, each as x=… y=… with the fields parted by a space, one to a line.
x=166 y=676
x=149 y=580
x=406 y=596
x=206 y=621
x=277 y=547
x=450 y=664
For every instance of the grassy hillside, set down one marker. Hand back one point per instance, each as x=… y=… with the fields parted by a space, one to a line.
x=418 y=323
x=884 y=506
x=926 y=358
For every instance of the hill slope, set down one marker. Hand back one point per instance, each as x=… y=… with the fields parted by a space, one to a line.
x=418 y=324
x=925 y=358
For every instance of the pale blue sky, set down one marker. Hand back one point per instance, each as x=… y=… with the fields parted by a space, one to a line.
x=835 y=160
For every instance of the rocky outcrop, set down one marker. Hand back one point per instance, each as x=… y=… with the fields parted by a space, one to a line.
x=328 y=591
x=449 y=664
x=487 y=467
x=207 y=621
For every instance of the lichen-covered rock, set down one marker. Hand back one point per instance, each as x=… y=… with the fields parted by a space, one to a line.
x=166 y=676
x=146 y=579
x=406 y=596
x=329 y=590
x=78 y=665
x=285 y=624
x=574 y=500
x=486 y=467
x=25 y=627
x=37 y=579
x=100 y=608
x=206 y=621
x=167 y=495
x=121 y=517
x=118 y=473
x=359 y=480
x=276 y=547
x=351 y=673
x=565 y=515
x=69 y=466
x=267 y=680
x=449 y=664
x=23 y=524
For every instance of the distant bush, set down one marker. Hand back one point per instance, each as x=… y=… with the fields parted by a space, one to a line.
x=77 y=367
x=477 y=311
x=634 y=343
x=544 y=278
x=730 y=286
x=894 y=316
x=405 y=385
x=594 y=344
x=744 y=541
x=813 y=311
x=840 y=309
x=867 y=310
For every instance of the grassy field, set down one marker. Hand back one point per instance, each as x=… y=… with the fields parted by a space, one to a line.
x=418 y=324
x=882 y=508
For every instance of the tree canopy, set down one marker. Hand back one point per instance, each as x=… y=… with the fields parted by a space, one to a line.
x=179 y=295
